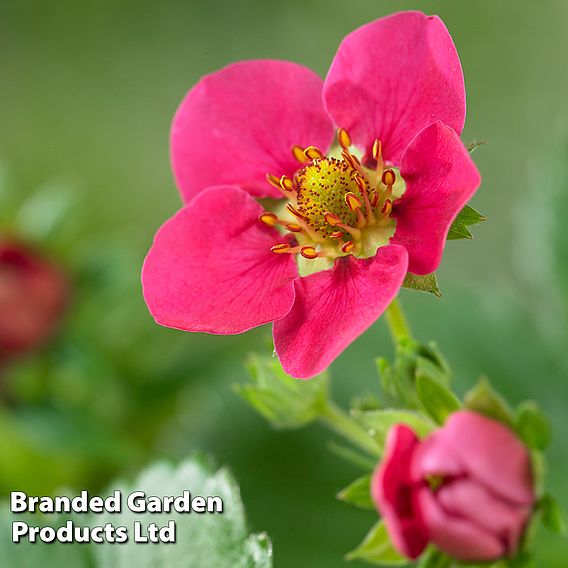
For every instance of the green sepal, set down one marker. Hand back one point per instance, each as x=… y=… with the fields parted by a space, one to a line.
x=426 y=283
x=434 y=558
x=435 y=399
x=466 y=218
x=285 y=402
x=379 y=422
x=532 y=426
x=352 y=456
x=358 y=493
x=552 y=516
x=483 y=399
x=377 y=548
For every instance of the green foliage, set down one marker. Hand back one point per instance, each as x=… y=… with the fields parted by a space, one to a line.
x=379 y=422
x=433 y=558
x=552 y=516
x=377 y=549
x=532 y=426
x=285 y=402
x=358 y=493
x=215 y=539
x=484 y=399
x=426 y=283
x=436 y=399
x=466 y=218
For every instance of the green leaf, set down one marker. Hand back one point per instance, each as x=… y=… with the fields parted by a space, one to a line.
x=466 y=218
x=552 y=516
x=426 y=283
x=214 y=539
x=433 y=558
x=358 y=493
x=483 y=399
x=351 y=456
x=379 y=422
x=436 y=400
x=285 y=402
x=532 y=426
x=377 y=548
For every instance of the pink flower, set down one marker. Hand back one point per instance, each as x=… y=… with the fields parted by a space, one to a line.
x=467 y=488
x=32 y=296
x=325 y=261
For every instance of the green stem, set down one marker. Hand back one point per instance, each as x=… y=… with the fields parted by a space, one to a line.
x=340 y=422
x=398 y=326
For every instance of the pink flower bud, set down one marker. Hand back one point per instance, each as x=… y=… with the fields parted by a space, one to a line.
x=467 y=488
x=32 y=297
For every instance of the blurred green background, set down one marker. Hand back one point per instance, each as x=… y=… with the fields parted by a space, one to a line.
x=87 y=93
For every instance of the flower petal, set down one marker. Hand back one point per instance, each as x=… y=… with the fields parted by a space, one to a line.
x=240 y=123
x=440 y=179
x=335 y=306
x=455 y=536
x=211 y=269
x=468 y=499
x=491 y=454
x=394 y=494
x=393 y=77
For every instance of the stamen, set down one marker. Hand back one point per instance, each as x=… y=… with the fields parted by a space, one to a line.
x=273 y=180
x=387 y=208
x=294 y=211
x=293 y=227
x=388 y=177
x=311 y=253
x=365 y=193
x=313 y=153
x=299 y=154
x=343 y=138
x=348 y=246
x=353 y=202
x=268 y=218
x=333 y=220
x=350 y=159
x=286 y=184
x=281 y=248
x=378 y=154
x=337 y=235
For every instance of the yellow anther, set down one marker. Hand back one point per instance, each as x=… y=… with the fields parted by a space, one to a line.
x=309 y=252
x=293 y=227
x=343 y=138
x=348 y=246
x=299 y=154
x=387 y=208
x=286 y=184
x=313 y=153
x=268 y=218
x=377 y=149
x=332 y=219
x=353 y=202
x=389 y=177
x=273 y=180
x=280 y=248
x=337 y=235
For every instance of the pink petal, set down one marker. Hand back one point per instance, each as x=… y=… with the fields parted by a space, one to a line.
x=435 y=457
x=393 y=77
x=491 y=454
x=334 y=307
x=392 y=493
x=240 y=123
x=440 y=179
x=456 y=536
x=472 y=501
x=211 y=269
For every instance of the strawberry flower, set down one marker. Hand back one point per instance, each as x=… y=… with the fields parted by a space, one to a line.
x=328 y=252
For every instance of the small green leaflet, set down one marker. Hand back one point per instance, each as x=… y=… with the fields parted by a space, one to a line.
x=358 y=493
x=466 y=218
x=377 y=549
x=427 y=283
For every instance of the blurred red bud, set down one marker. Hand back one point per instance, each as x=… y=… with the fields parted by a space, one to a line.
x=33 y=295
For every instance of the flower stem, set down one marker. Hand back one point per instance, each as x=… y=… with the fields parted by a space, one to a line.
x=398 y=326
x=340 y=422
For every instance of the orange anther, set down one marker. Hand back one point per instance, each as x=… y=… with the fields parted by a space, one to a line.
x=268 y=218
x=343 y=138
x=377 y=149
x=293 y=227
x=332 y=218
x=387 y=208
x=337 y=235
x=313 y=153
x=294 y=211
x=286 y=184
x=348 y=246
x=299 y=154
x=388 y=177
x=280 y=248
x=273 y=180
x=353 y=202
x=309 y=252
